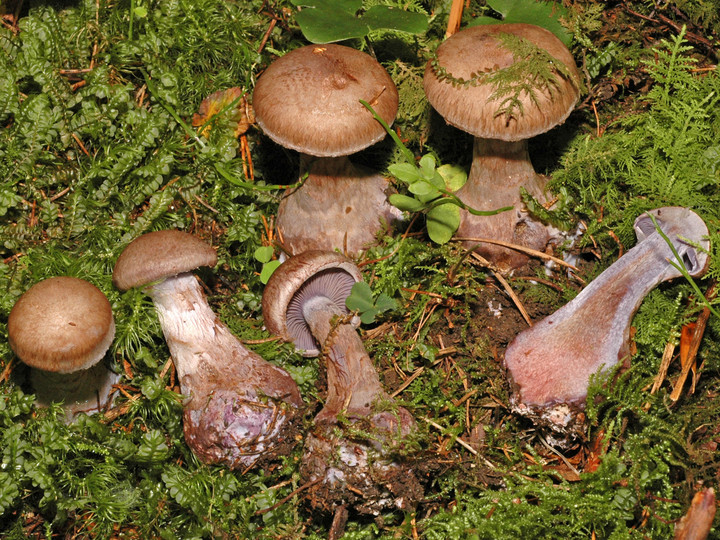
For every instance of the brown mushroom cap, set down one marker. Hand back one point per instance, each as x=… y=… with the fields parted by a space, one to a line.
x=61 y=324
x=308 y=100
x=478 y=50
x=159 y=255
x=307 y=275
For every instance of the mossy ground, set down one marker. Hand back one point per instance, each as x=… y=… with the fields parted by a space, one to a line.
x=96 y=147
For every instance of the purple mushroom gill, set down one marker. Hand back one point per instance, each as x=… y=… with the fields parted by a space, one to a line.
x=353 y=454
x=550 y=364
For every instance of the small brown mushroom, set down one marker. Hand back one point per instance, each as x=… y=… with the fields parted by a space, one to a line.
x=239 y=408
x=550 y=363
x=309 y=101
x=350 y=452
x=457 y=86
x=62 y=327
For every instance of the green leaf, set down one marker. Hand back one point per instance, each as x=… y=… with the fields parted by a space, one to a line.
x=328 y=21
x=453 y=175
x=405 y=172
x=264 y=253
x=267 y=271
x=361 y=298
x=422 y=188
x=405 y=203
x=544 y=14
x=153 y=448
x=329 y=26
x=442 y=222
x=385 y=303
x=390 y=18
x=361 y=301
x=348 y=6
x=9 y=492
x=437 y=181
x=427 y=166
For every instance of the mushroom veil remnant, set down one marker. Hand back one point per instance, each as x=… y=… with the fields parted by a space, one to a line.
x=309 y=101
x=550 y=363
x=465 y=83
x=62 y=327
x=239 y=408
x=352 y=454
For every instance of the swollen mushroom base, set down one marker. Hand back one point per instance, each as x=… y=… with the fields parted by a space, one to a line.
x=239 y=408
x=550 y=363
x=363 y=453
x=357 y=453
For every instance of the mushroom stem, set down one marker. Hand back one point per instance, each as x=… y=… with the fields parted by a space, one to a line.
x=353 y=383
x=551 y=363
x=339 y=205
x=362 y=460
x=499 y=169
x=88 y=390
x=357 y=454
x=239 y=407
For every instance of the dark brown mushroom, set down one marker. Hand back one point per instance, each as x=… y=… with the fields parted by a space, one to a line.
x=62 y=327
x=550 y=363
x=239 y=408
x=309 y=101
x=459 y=85
x=352 y=452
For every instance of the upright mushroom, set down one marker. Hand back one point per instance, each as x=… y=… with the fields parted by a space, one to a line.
x=239 y=408
x=466 y=83
x=351 y=454
x=550 y=363
x=309 y=101
x=62 y=327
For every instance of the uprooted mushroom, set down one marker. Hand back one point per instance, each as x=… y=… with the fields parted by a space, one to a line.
x=550 y=363
x=239 y=408
x=353 y=457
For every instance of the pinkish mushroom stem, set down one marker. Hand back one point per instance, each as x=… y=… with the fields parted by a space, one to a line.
x=238 y=404
x=339 y=205
x=363 y=460
x=352 y=456
x=550 y=364
x=499 y=169
x=353 y=383
x=239 y=408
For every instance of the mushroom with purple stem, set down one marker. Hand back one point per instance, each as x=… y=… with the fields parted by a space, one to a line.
x=463 y=83
x=62 y=327
x=309 y=101
x=239 y=409
x=550 y=363
x=352 y=456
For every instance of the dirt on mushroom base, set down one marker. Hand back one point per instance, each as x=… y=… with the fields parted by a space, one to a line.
x=351 y=470
x=218 y=432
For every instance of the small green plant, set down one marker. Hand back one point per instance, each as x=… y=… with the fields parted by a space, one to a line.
x=432 y=188
x=544 y=14
x=264 y=255
x=361 y=301
x=328 y=21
